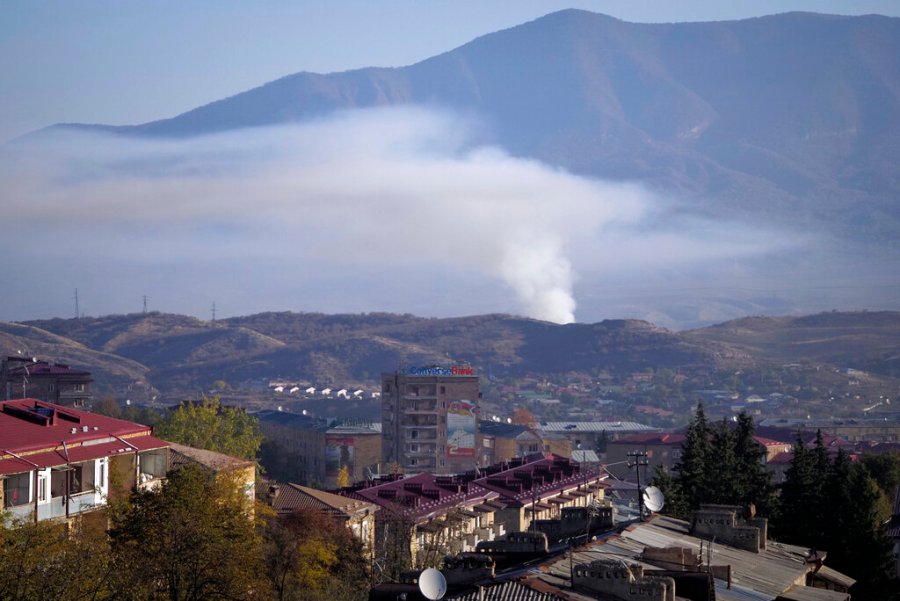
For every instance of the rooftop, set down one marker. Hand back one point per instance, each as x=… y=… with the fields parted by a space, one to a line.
x=762 y=576
x=595 y=427
x=291 y=497
x=38 y=434
x=182 y=454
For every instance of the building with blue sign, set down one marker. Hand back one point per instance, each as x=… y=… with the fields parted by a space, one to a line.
x=429 y=418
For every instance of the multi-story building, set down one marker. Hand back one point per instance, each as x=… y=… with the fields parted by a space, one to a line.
x=318 y=449
x=50 y=382
x=57 y=462
x=429 y=419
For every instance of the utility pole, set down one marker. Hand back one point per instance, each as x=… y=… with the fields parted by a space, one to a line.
x=640 y=460
x=214 y=311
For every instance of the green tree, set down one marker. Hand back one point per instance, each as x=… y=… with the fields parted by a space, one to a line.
x=885 y=468
x=42 y=562
x=722 y=482
x=696 y=456
x=801 y=503
x=675 y=504
x=193 y=540
x=209 y=425
x=753 y=480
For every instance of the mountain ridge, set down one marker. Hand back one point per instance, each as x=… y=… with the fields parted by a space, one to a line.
x=175 y=355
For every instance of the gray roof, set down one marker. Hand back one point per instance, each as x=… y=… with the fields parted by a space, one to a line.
x=762 y=576
x=582 y=456
x=507 y=591
x=595 y=427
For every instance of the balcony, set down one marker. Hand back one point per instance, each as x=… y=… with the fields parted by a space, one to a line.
x=424 y=435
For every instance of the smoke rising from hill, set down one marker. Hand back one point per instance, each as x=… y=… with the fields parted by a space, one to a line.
x=381 y=205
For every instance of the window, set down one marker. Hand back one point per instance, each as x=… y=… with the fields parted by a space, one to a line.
x=443 y=391
x=42 y=489
x=17 y=490
x=82 y=478
x=153 y=463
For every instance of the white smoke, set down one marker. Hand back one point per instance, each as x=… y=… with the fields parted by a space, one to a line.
x=342 y=199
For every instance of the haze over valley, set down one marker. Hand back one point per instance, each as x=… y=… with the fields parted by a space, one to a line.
x=573 y=168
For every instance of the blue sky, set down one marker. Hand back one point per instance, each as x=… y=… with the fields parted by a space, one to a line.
x=130 y=62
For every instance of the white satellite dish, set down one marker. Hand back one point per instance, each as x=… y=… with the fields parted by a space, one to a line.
x=653 y=498
x=432 y=584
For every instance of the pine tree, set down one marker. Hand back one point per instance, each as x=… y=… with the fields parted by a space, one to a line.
x=696 y=455
x=722 y=478
x=671 y=489
x=801 y=505
x=754 y=479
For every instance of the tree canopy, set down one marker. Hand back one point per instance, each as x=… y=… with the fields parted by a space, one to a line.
x=209 y=425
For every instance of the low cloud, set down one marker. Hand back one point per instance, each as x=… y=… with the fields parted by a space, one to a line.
x=385 y=209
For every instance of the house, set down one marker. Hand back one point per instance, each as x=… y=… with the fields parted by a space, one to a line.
x=58 y=462
x=50 y=382
x=592 y=435
x=242 y=471
x=357 y=515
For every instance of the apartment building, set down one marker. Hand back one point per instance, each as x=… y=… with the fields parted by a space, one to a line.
x=430 y=419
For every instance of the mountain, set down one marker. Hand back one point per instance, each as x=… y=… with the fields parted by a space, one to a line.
x=177 y=355
x=792 y=116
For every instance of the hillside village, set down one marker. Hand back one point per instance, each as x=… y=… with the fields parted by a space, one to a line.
x=552 y=474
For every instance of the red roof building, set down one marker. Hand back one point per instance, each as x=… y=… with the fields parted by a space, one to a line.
x=57 y=462
x=51 y=382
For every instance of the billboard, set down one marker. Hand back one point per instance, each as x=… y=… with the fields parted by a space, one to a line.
x=461 y=429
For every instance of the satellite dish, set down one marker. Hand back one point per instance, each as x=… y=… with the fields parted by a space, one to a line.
x=653 y=498
x=432 y=584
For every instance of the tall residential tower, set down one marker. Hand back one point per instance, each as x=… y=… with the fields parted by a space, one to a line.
x=429 y=418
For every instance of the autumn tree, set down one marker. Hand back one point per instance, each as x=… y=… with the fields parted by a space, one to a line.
x=310 y=556
x=194 y=539
x=43 y=562
x=209 y=425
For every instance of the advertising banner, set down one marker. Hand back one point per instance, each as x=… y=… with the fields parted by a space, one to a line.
x=461 y=429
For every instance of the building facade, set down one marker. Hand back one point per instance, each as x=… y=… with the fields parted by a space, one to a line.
x=50 y=382
x=319 y=449
x=429 y=419
x=58 y=463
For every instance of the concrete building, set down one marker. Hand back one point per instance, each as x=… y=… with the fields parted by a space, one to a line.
x=59 y=463
x=320 y=448
x=430 y=419
x=49 y=382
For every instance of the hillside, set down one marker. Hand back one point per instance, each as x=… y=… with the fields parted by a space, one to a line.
x=794 y=115
x=181 y=355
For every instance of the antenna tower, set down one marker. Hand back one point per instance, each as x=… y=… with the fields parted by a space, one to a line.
x=145 y=303
x=214 y=311
x=77 y=312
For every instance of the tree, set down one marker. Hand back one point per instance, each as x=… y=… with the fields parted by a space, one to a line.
x=343 y=477
x=801 y=502
x=523 y=417
x=723 y=480
x=42 y=562
x=753 y=479
x=671 y=489
x=693 y=469
x=208 y=425
x=193 y=540
x=107 y=406
x=311 y=556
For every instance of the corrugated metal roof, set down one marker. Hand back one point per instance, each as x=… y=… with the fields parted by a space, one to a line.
x=808 y=593
x=595 y=427
x=759 y=576
x=508 y=591
x=21 y=429
x=292 y=497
